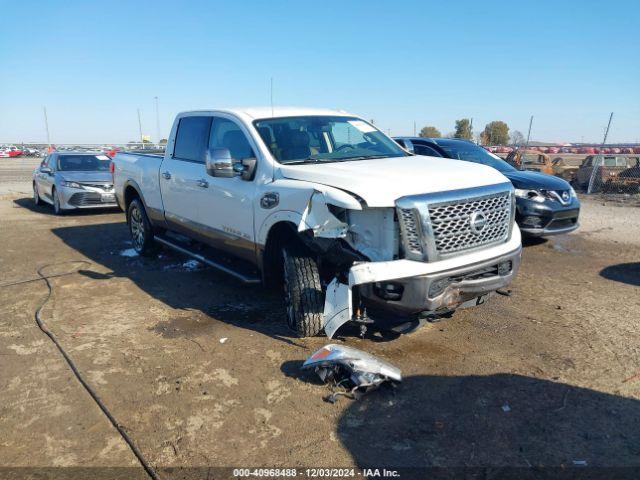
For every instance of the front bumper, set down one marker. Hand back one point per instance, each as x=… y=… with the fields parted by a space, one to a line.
x=548 y=218
x=446 y=290
x=462 y=278
x=75 y=198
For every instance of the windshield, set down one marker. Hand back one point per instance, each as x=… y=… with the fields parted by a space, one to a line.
x=324 y=139
x=83 y=163
x=473 y=153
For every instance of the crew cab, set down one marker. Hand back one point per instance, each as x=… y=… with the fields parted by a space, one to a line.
x=353 y=226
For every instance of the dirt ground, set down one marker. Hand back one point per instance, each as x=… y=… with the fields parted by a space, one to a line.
x=201 y=371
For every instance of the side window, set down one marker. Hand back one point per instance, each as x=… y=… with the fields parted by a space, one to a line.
x=227 y=134
x=425 y=150
x=191 y=139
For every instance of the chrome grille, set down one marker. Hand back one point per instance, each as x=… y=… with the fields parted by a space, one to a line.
x=436 y=225
x=86 y=199
x=101 y=186
x=451 y=222
x=410 y=230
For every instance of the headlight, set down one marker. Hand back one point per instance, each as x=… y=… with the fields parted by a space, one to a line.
x=534 y=195
x=65 y=183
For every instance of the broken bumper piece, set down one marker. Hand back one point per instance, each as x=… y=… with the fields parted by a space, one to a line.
x=351 y=368
x=422 y=287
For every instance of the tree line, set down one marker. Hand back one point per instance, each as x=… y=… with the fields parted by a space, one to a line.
x=494 y=133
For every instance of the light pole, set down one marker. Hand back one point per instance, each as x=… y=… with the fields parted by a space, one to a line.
x=46 y=126
x=157 y=122
x=140 y=129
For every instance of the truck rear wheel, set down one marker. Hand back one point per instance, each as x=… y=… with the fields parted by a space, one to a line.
x=304 y=298
x=140 y=228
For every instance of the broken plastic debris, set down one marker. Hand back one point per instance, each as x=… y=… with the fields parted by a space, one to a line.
x=350 y=368
x=129 y=252
x=223 y=339
x=506 y=408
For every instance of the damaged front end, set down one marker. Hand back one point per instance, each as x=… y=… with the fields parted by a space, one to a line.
x=370 y=260
x=343 y=238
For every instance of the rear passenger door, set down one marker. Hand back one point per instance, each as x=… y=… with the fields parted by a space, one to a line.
x=182 y=174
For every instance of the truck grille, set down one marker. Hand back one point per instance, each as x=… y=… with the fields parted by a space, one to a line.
x=410 y=230
x=438 y=225
x=452 y=223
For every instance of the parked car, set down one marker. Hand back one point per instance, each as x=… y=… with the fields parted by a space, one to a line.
x=74 y=180
x=536 y=161
x=607 y=167
x=10 y=151
x=545 y=205
x=352 y=225
x=627 y=181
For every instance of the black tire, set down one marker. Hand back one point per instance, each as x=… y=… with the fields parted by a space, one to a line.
x=36 y=195
x=140 y=228
x=304 y=298
x=57 y=209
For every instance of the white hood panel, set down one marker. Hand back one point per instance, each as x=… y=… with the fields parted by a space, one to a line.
x=380 y=182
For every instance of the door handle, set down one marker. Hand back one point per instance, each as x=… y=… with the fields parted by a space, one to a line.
x=166 y=175
x=203 y=183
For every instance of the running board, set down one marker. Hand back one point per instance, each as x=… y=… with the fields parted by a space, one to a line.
x=244 y=278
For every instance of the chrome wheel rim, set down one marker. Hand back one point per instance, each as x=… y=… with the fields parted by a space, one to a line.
x=137 y=229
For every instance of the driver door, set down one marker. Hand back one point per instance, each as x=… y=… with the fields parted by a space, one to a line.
x=226 y=206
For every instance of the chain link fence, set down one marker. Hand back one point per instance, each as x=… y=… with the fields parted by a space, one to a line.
x=614 y=174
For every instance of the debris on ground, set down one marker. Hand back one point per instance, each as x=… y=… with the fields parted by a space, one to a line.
x=223 y=339
x=355 y=371
x=506 y=408
x=129 y=252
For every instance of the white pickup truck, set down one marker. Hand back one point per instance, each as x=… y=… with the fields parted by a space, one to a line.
x=320 y=201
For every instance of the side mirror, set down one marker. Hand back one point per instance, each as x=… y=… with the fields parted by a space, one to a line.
x=219 y=163
x=46 y=170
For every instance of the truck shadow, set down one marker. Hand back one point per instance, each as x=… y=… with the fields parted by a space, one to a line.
x=180 y=283
x=500 y=420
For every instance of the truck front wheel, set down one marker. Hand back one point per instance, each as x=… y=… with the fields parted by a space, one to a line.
x=140 y=228
x=304 y=298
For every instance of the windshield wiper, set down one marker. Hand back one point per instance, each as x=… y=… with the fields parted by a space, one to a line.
x=363 y=157
x=310 y=160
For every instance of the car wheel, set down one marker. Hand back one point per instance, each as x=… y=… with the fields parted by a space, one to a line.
x=304 y=298
x=36 y=195
x=140 y=228
x=57 y=209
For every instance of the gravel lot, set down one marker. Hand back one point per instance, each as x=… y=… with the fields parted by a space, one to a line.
x=548 y=376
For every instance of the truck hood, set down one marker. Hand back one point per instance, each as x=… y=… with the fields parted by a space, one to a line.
x=380 y=182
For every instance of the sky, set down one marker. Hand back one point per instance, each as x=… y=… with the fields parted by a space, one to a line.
x=93 y=64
